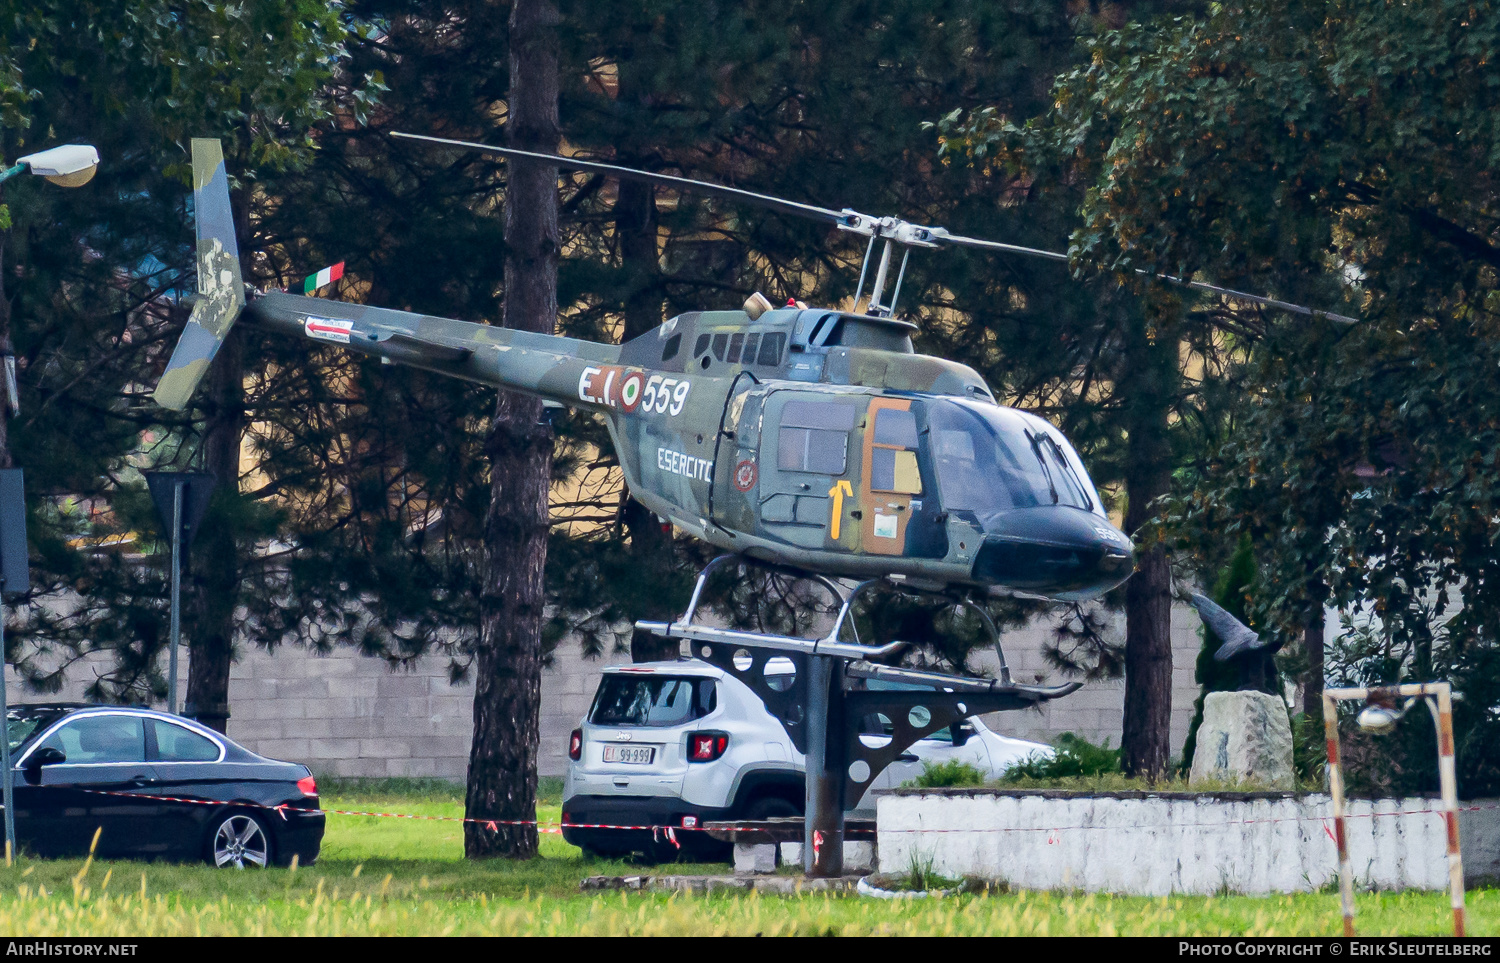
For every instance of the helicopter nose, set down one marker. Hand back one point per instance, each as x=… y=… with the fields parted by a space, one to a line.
x=1061 y=552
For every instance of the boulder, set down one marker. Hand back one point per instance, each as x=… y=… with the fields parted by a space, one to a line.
x=1245 y=738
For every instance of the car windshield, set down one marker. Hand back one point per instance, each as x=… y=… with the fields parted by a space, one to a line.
x=18 y=729
x=655 y=700
x=989 y=459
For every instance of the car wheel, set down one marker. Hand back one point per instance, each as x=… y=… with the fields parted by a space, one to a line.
x=239 y=840
x=771 y=807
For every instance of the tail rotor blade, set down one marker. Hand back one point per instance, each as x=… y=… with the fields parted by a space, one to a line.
x=221 y=291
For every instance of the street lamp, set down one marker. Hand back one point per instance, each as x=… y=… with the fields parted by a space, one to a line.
x=71 y=165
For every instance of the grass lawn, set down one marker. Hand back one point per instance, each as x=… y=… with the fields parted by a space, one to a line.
x=407 y=877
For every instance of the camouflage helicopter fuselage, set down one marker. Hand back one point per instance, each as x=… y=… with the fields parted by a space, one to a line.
x=809 y=438
x=804 y=437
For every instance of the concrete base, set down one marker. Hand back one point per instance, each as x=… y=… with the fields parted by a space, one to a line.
x=754 y=858
x=779 y=885
x=1245 y=739
x=859 y=857
x=1155 y=844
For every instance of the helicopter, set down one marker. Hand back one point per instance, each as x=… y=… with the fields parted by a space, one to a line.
x=810 y=440
x=814 y=439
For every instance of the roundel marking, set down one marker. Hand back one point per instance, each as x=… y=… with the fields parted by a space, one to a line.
x=630 y=390
x=745 y=474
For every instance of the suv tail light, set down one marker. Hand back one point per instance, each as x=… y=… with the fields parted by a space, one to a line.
x=308 y=786
x=575 y=745
x=706 y=746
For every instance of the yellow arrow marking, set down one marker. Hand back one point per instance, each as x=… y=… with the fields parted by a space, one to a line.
x=837 y=493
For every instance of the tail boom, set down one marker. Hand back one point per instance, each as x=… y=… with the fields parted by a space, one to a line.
x=550 y=366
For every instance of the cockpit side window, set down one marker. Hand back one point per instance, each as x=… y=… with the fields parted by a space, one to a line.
x=893 y=456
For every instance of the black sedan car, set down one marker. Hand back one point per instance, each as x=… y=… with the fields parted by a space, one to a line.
x=154 y=786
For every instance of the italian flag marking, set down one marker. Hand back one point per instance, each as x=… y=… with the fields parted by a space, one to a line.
x=324 y=277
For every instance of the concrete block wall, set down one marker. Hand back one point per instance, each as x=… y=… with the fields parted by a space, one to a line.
x=1094 y=711
x=348 y=715
x=1155 y=844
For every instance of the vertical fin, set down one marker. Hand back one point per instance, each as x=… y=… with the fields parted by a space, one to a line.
x=221 y=291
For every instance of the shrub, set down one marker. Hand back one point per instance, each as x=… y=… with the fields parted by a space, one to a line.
x=1075 y=757
x=954 y=772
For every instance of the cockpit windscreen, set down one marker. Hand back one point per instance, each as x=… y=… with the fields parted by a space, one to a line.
x=990 y=459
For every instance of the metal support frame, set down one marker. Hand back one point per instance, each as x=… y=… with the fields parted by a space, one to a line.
x=827 y=720
x=1439 y=698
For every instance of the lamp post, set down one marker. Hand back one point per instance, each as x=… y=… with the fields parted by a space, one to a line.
x=71 y=165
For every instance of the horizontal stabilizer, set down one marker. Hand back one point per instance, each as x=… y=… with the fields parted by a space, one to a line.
x=221 y=291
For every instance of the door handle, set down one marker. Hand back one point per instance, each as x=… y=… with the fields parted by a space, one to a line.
x=139 y=779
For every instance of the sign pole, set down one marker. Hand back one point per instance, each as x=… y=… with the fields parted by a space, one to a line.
x=15 y=579
x=8 y=779
x=181 y=499
x=176 y=594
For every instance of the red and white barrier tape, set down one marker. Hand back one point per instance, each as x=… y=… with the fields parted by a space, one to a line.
x=670 y=832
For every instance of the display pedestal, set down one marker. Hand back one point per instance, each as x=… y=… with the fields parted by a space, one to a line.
x=1245 y=738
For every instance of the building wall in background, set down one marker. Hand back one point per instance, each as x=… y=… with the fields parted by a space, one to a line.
x=348 y=715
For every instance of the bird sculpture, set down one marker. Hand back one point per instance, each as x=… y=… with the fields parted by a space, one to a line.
x=1240 y=644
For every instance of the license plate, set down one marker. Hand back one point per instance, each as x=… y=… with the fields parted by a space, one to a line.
x=630 y=755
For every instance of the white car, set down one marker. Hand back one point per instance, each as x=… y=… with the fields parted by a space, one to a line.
x=677 y=744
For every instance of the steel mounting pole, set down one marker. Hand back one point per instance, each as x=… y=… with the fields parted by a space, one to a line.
x=823 y=832
x=176 y=595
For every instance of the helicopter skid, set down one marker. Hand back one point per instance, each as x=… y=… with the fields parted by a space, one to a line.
x=862 y=661
x=709 y=633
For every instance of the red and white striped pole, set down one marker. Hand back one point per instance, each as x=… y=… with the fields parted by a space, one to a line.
x=1448 y=781
x=1336 y=788
x=1442 y=694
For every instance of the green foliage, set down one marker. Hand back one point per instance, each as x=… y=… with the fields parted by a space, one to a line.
x=93 y=282
x=1339 y=154
x=954 y=772
x=1075 y=757
x=1309 y=750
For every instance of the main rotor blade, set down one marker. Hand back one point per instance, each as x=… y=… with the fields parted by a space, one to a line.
x=939 y=234
x=893 y=228
x=631 y=174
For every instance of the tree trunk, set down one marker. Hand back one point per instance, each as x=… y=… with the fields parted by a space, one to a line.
x=1151 y=366
x=213 y=566
x=1312 y=685
x=1312 y=644
x=650 y=546
x=215 y=561
x=508 y=661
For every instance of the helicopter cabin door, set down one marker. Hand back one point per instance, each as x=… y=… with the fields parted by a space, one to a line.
x=805 y=467
x=890 y=478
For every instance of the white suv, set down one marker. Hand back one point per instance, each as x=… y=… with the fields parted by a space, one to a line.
x=681 y=743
